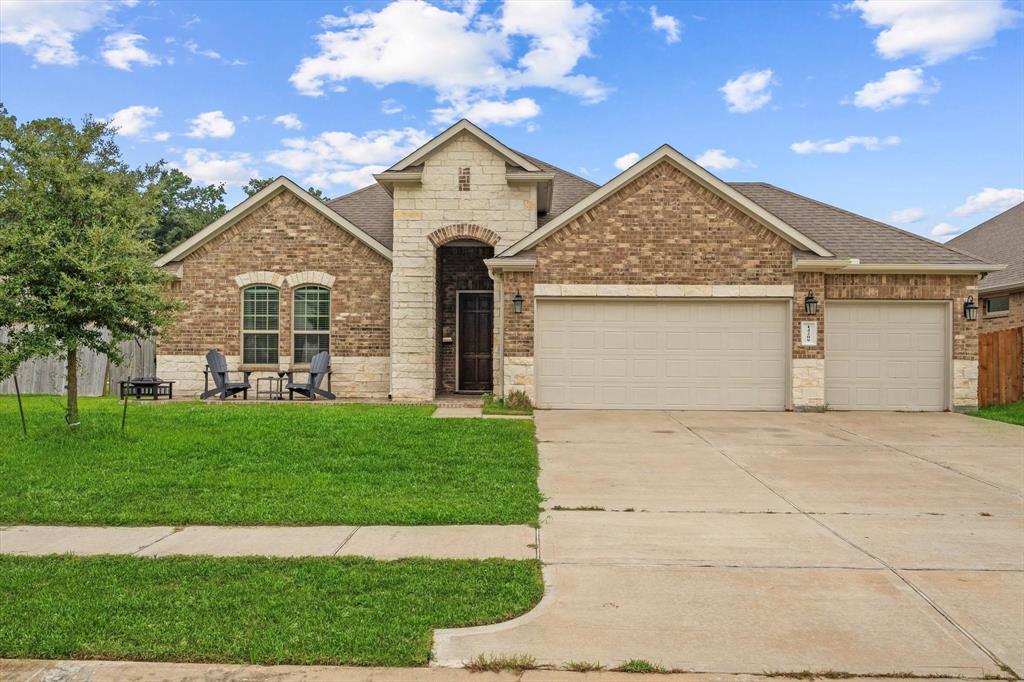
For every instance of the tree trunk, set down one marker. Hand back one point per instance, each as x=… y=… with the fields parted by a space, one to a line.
x=72 y=416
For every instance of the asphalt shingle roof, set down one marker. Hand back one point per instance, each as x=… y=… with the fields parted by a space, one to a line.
x=843 y=233
x=999 y=240
x=849 y=235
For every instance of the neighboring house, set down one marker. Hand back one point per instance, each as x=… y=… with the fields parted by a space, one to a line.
x=1000 y=239
x=470 y=266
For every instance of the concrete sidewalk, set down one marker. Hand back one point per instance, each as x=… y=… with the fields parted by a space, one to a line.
x=378 y=542
x=129 y=671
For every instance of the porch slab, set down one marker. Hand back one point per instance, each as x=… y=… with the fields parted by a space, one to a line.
x=458 y=413
x=38 y=540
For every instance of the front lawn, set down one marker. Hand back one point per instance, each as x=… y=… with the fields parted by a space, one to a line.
x=236 y=464
x=1012 y=413
x=261 y=611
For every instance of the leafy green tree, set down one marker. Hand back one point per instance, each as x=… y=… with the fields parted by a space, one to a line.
x=182 y=208
x=256 y=184
x=73 y=273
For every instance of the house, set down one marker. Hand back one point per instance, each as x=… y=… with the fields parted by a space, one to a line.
x=470 y=266
x=1000 y=239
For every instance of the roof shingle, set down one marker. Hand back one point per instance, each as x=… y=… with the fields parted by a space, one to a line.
x=1001 y=240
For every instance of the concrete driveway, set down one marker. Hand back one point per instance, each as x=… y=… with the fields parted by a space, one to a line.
x=865 y=543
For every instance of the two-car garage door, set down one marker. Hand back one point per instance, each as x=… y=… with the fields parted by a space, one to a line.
x=668 y=354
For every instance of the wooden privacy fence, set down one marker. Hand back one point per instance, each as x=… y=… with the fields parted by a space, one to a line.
x=49 y=375
x=1000 y=367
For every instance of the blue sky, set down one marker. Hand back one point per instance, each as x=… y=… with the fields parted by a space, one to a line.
x=909 y=112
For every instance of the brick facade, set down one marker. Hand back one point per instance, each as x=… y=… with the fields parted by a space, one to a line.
x=459 y=268
x=282 y=237
x=664 y=228
x=1000 y=321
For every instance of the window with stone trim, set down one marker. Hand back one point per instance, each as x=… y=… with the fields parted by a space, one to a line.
x=260 y=320
x=312 y=322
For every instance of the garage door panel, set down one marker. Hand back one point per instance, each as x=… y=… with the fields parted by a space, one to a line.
x=677 y=354
x=886 y=356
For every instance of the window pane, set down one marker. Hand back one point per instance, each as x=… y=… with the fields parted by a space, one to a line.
x=260 y=308
x=259 y=349
x=312 y=309
x=997 y=305
x=308 y=345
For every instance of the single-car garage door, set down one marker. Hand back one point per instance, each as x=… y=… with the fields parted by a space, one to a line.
x=671 y=354
x=886 y=356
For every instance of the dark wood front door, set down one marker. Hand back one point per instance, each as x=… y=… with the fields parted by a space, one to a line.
x=476 y=314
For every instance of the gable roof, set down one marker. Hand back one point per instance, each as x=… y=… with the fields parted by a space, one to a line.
x=463 y=126
x=282 y=184
x=1000 y=239
x=667 y=153
x=849 y=235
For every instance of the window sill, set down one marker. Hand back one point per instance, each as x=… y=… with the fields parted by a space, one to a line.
x=1001 y=313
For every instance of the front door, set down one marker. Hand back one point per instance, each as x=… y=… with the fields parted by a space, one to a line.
x=476 y=313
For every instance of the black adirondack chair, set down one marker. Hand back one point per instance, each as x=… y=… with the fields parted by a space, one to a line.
x=224 y=387
x=319 y=367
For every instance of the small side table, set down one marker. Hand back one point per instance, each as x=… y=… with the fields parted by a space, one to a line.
x=274 y=388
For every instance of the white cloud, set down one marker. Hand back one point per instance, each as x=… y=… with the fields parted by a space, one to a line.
x=944 y=231
x=134 y=120
x=289 y=121
x=990 y=200
x=749 y=91
x=464 y=56
x=338 y=158
x=47 y=30
x=390 y=106
x=894 y=89
x=665 y=23
x=844 y=145
x=193 y=47
x=121 y=50
x=208 y=168
x=934 y=29
x=907 y=216
x=211 y=124
x=626 y=160
x=485 y=112
x=717 y=159
x=162 y=136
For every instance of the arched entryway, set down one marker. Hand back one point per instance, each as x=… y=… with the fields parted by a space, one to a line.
x=465 y=309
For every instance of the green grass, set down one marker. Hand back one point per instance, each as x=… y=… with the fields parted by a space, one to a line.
x=289 y=464
x=493 y=405
x=260 y=611
x=1011 y=414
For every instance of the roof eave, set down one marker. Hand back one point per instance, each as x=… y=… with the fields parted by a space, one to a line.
x=813 y=265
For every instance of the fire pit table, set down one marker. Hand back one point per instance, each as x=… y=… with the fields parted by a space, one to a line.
x=150 y=387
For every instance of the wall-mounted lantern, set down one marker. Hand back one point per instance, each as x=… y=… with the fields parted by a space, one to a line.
x=970 y=309
x=517 y=303
x=810 y=304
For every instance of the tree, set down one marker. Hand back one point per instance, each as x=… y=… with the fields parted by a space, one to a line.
x=73 y=273
x=256 y=184
x=182 y=208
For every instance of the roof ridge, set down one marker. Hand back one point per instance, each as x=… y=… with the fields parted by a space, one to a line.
x=986 y=223
x=872 y=220
x=355 y=191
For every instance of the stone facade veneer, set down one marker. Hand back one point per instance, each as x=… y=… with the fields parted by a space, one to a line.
x=518 y=376
x=808 y=383
x=247 y=279
x=430 y=214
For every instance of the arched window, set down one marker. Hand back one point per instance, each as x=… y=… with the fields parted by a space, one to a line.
x=260 y=305
x=312 y=322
